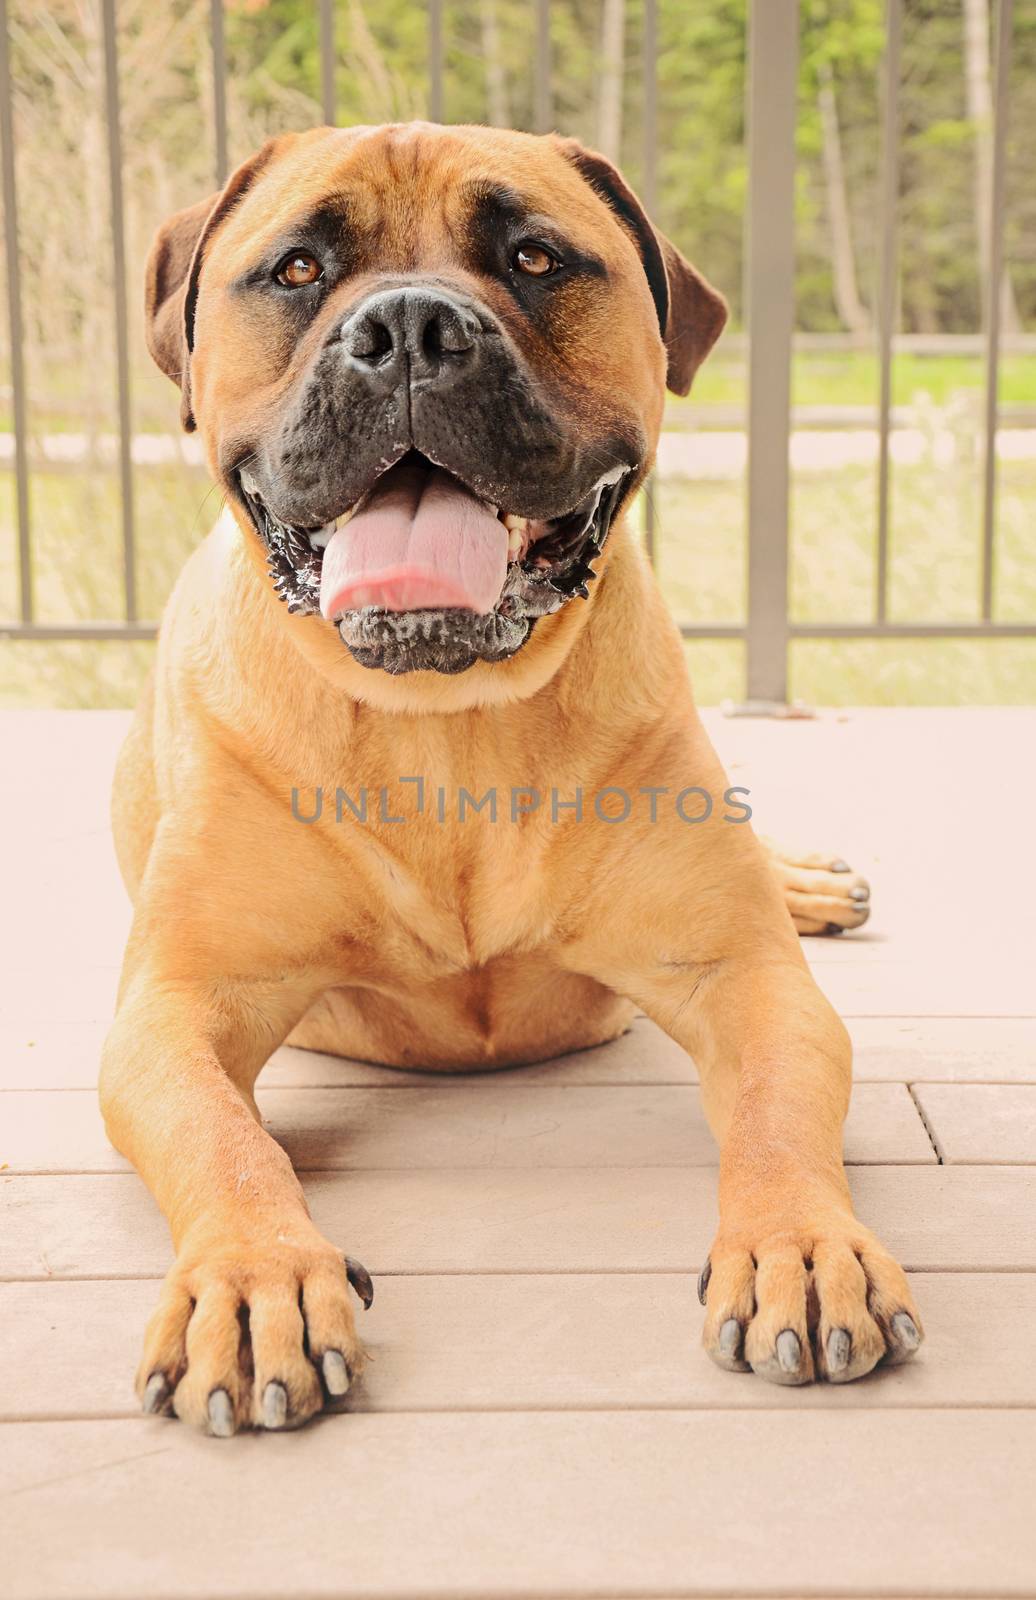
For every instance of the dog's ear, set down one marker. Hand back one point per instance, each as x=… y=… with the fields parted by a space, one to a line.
x=165 y=288
x=173 y=270
x=691 y=313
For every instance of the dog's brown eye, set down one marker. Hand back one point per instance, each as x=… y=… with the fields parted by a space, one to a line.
x=535 y=260
x=299 y=269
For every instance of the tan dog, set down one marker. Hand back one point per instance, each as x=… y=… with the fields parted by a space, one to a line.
x=428 y=365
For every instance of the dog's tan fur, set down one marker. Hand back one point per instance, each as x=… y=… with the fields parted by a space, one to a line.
x=445 y=945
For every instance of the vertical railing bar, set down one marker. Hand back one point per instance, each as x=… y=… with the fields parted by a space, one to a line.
x=219 y=91
x=543 y=103
x=118 y=227
x=1001 y=78
x=436 y=97
x=889 y=215
x=19 y=406
x=328 y=96
x=770 y=300
x=649 y=189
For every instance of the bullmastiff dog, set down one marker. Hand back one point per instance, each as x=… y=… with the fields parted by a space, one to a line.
x=428 y=366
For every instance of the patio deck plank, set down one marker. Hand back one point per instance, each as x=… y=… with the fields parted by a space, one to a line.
x=502 y=1504
x=615 y=1219
x=483 y=1122
x=47 y=1054
x=981 y=1122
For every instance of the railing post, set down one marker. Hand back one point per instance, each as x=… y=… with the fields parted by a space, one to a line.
x=111 y=106
x=218 y=41
x=770 y=301
x=436 y=95
x=649 y=195
x=543 y=99
x=19 y=407
x=328 y=97
x=889 y=214
x=994 y=296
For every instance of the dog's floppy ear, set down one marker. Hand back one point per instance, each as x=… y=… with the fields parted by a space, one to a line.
x=173 y=270
x=691 y=313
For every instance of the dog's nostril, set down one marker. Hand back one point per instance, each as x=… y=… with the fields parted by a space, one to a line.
x=446 y=334
x=368 y=339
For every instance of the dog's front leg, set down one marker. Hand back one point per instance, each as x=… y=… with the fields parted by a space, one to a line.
x=254 y=1324
x=692 y=927
x=795 y=1287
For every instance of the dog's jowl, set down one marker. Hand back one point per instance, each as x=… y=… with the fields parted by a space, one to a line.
x=428 y=366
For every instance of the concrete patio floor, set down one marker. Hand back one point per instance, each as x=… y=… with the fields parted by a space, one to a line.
x=538 y=1419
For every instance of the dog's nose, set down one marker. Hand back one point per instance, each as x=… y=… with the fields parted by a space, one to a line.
x=418 y=333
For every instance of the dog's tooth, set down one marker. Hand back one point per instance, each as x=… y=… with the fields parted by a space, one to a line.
x=515 y=540
x=345 y=517
x=512 y=522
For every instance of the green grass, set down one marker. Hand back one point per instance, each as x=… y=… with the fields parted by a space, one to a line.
x=852 y=379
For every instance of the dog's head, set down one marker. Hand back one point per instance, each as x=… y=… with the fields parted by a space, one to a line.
x=429 y=365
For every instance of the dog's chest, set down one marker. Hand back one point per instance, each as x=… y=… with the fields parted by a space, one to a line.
x=442 y=900
x=456 y=863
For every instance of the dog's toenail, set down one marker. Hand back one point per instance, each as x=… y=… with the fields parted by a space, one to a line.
x=275 y=1405
x=336 y=1372
x=833 y=927
x=904 y=1329
x=859 y=894
x=789 y=1351
x=730 y=1337
x=839 y=1345
x=221 y=1414
x=156 y=1393
x=360 y=1279
x=840 y=866
x=703 y=1280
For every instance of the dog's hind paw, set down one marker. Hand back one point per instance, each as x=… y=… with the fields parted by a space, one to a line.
x=822 y=892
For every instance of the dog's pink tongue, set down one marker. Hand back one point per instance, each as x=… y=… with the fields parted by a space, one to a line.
x=421 y=540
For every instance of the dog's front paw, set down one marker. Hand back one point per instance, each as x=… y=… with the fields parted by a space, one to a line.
x=253 y=1331
x=794 y=1305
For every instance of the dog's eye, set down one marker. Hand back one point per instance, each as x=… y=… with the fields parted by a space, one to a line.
x=299 y=269
x=535 y=260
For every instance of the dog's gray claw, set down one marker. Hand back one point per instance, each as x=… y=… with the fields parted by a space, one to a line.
x=859 y=894
x=906 y=1337
x=730 y=1337
x=789 y=1351
x=275 y=1405
x=156 y=1393
x=360 y=1279
x=839 y=1348
x=221 y=1414
x=703 y=1280
x=833 y=927
x=840 y=866
x=336 y=1372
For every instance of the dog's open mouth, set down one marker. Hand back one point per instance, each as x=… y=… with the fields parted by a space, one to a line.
x=421 y=573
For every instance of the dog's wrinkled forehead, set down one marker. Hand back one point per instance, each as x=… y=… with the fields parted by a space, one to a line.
x=410 y=194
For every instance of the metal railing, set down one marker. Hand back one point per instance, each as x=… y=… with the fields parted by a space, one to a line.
x=769 y=284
